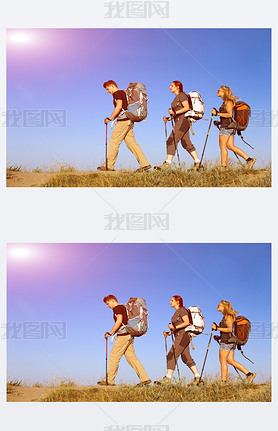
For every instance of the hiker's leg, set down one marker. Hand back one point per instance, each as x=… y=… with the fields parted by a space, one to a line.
x=171 y=148
x=188 y=360
x=174 y=138
x=223 y=141
x=135 y=363
x=238 y=151
x=236 y=364
x=133 y=146
x=181 y=342
x=115 y=141
x=188 y=146
x=118 y=350
x=223 y=355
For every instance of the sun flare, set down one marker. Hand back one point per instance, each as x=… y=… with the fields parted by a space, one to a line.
x=20 y=252
x=20 y=38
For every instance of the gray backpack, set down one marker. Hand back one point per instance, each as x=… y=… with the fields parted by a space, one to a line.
x=137 y=109
x=137 y=317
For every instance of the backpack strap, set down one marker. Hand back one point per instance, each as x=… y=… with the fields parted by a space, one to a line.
x=239 y=348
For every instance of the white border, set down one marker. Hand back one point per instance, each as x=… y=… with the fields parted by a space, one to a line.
x=36 y=215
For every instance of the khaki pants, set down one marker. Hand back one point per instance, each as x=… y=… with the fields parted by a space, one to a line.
x=123 y=130
x=123 y=345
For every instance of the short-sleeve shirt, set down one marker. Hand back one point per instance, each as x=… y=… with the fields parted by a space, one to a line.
x=177 y=102
x=177 y=318
x=120 y=95
x=120 y=309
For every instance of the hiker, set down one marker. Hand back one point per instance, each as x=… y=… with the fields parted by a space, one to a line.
x=123 y=345
x=123 y=130
x=181 y=128
x=180 y=346
x=226 y=349
x=226 y=135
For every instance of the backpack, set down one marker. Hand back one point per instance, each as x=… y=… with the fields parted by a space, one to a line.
x=241 y=329
x=137 y=314
x=240 y=334
x=196 y=320
x=240 y=120
x=241 y=115
x=196 y=105
x=137 y=109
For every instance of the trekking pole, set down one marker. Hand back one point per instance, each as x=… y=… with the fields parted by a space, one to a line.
x=165 y=338
x=205 y=142
x=205 y=357
x=106 y=354
x=165 y=126
x=175 y=144
x=174 y=351
x=106 y=167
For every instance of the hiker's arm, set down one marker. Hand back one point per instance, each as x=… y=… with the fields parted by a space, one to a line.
x=228 y=114
x=181 y=325
x=117 y=110
x=185 y=108
x=116 y=326
x=229 y=322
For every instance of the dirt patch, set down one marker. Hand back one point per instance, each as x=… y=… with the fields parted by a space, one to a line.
x=27 y=179
x=28 y=394
x=38 y=179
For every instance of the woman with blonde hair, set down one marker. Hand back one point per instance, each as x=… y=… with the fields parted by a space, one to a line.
x=226 y=135
x=226 y=350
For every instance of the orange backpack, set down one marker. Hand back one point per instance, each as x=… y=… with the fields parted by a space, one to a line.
x=242 y=113
x=240 y=335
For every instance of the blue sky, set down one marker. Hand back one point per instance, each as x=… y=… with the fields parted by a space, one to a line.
x=64 y=69
x=67 y=283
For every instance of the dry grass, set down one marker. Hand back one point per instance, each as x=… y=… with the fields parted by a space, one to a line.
x=177 y=392
x=177 y=177
x=62 y=389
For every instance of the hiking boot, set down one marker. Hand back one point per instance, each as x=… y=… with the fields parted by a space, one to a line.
x=146 y=382
x=196 y=166
x=251 y=377
x=103 y=168
x=250 y=163
x=103 y=383
x=143 y=168
x=163 y=381
x=196 y=381
x=165 y=166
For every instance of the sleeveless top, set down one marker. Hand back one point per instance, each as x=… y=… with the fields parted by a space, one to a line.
x=224 y=122
x=225 y=336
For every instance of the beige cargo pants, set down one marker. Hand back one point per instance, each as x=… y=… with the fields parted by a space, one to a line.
x=123 y=130
x=123 y=345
